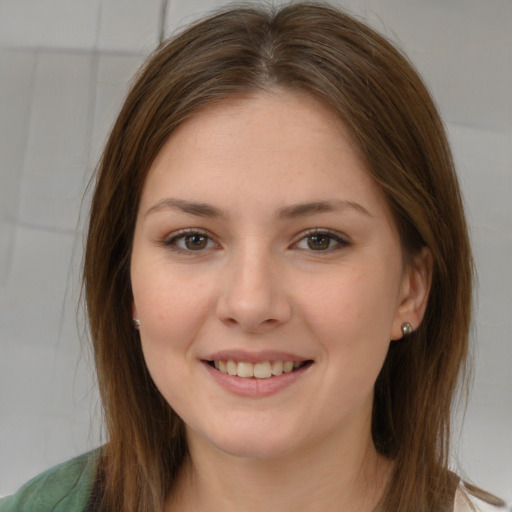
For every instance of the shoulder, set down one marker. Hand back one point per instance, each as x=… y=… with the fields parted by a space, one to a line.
x=472 y=499
x=63 y=488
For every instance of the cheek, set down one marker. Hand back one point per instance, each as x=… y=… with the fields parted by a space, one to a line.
x=352 y=319
x=171 y=313
x=171 y=309
x=354 y=305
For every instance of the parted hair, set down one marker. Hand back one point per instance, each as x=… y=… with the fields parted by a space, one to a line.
x=377 y=94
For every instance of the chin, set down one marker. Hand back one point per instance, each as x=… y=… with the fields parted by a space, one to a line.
x=252 y=443
x=255 y=449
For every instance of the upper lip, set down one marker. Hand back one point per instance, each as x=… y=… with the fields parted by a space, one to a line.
x=254 y=357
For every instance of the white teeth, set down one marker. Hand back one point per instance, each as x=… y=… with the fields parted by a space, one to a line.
x=287 y=366
x=245 y=370
x=263 y=370
x=231 y=367
x=277 y=367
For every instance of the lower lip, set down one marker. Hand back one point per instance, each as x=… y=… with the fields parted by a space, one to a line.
x=253 y=387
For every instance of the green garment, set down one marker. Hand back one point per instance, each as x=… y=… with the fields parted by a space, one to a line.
x=63 y=488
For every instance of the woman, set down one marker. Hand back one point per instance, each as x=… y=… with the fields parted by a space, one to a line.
x=278 y=279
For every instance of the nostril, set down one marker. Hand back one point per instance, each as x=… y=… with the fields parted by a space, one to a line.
x=251 y=326
x=252 y=307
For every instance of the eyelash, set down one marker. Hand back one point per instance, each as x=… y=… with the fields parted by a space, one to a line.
x=340 y=242
x=172 y=241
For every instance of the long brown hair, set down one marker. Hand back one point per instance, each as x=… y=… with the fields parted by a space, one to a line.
x=382 y=101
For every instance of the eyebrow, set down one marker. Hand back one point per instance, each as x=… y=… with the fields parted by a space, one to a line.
x=306 y=209
x=286 y=212
x=189 y=207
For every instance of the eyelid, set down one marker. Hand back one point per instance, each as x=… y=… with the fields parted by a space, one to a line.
x=169 y=241
x=339 y=238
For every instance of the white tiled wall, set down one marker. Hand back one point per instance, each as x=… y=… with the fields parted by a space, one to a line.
x=49 y=23
x=64 y=68
x=129 y=25
x=114 y=74
x=57 y=140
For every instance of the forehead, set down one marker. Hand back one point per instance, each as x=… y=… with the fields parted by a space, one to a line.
x=284 y=143
x=265 y=113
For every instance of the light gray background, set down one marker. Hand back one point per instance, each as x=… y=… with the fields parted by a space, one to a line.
x=64 y=68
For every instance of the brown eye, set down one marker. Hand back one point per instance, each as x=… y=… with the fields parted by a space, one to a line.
x=195 y=242
x=319 y=242
x=190 y=241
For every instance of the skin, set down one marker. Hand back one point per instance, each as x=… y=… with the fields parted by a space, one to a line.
x=258 y=281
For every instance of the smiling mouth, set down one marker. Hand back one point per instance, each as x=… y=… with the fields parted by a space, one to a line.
x=261 y=370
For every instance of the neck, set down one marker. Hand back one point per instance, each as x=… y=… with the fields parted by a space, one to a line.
x=352 y=478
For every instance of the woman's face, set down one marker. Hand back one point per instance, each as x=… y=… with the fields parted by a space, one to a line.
x=267 y=276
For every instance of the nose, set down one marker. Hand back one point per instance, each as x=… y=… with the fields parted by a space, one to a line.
x=253 y=293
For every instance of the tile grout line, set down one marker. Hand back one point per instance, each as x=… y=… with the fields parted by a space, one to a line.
x=77 y=231
x=16 y=214
x=40 y=227
x=73 y=51
x=98 y=25
x=163 y=15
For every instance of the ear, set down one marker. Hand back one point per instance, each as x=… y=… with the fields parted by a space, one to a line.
x=414 y=292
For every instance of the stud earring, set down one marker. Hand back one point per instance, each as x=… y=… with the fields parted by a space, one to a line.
x=136 y=323
x=407 y=329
